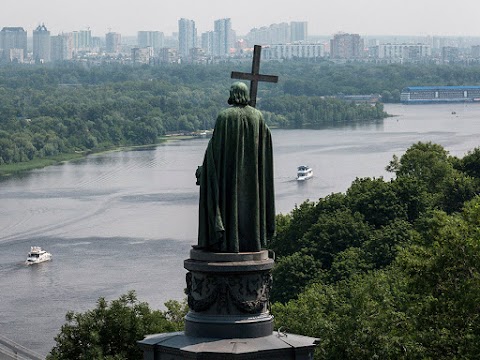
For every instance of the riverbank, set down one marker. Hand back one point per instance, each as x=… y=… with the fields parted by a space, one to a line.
x=11 y=169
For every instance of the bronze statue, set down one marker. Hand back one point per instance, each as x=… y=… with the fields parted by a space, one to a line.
x=237 y=205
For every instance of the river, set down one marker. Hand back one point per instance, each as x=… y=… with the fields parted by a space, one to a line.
x=126 y=220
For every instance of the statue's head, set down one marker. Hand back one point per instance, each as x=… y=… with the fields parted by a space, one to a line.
x=239 y=94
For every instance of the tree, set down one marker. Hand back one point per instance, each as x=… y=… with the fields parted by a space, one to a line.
x=470 y=163
x=443 y=283
x=426 y=162
x=292 y=274
x=111 y=330
x=332 y=233
x=376 y=200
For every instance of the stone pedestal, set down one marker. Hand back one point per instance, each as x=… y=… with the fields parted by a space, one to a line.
x=228 y=295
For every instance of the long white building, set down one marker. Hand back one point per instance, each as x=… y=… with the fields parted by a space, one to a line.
x=401 y=52
x=291 y=51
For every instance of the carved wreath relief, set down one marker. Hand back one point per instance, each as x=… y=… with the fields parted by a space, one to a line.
x=247 y=293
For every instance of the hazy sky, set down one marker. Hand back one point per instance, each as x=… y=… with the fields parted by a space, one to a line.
x=364 y=17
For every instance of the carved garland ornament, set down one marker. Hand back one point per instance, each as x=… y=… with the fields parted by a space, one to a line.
x=247 y=293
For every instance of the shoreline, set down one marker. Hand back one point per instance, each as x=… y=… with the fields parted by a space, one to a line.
x=8 y=170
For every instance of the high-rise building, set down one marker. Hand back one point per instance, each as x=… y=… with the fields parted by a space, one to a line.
x=223 y=41
x=298 y=31
x=62 y=47
x=82 y=40
x=346 y=46
x=259 y=36
x=277 y=34
x=187 y=37
x=153 y=39
x=41 y=44
x=207 y=42
x=13 y=39
x=113 y=41
x=280 y=33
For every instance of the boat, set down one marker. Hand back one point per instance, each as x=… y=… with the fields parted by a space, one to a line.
x=37 y=255
x=304 y=172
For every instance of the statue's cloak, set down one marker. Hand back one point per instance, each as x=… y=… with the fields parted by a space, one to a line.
x=237 y=205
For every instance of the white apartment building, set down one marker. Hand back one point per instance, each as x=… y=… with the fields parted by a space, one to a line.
x=402 y=52
x=291 y=51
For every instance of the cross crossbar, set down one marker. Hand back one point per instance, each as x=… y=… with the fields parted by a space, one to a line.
x=255 y=75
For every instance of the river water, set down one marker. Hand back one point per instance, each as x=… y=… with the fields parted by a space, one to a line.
x=126 y=220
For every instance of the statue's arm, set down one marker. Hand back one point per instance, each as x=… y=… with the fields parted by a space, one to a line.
x=198 y=174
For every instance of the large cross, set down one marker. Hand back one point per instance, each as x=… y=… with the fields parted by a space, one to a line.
x=255 y=75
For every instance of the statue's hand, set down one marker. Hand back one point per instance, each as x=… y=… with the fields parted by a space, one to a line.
x=198 y=174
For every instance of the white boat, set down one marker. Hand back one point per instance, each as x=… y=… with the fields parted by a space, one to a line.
x=37 y=255
x=304 y=172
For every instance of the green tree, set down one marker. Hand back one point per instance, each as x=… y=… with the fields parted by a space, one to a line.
x=332 y=233
x=292 y=274
x=470 y=163
x=426 y=162
x=376 y=200
x=443 y=283
x=112 y=329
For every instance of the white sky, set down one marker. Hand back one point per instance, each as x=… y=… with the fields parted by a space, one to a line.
x=364 y=17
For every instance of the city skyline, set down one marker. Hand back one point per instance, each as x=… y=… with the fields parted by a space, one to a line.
x=365 y=17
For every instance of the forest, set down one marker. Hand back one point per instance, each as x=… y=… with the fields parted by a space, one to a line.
x=386 y=270
x=75 y=108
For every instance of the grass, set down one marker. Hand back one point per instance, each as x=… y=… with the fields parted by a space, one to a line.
x=10 y=169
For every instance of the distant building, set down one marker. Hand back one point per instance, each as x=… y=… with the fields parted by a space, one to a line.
x=168 y=56
x=439 y=94
x=113 y=42
x=187 y=37
x=359 y=99
x=298 y=31
x=61 y=47
x=207 y=42
x=293 y=51
x=259 y=36
x=96 y=44
x=282 y=33
x=154 y=39
x=14 y=55
x=41 y=44
x=222 y=37
x=142 y=55
x=398 y=53
x=346 y=46
x=279 y=33
x=82 y=40
x=13 y=39
x=450 y=54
